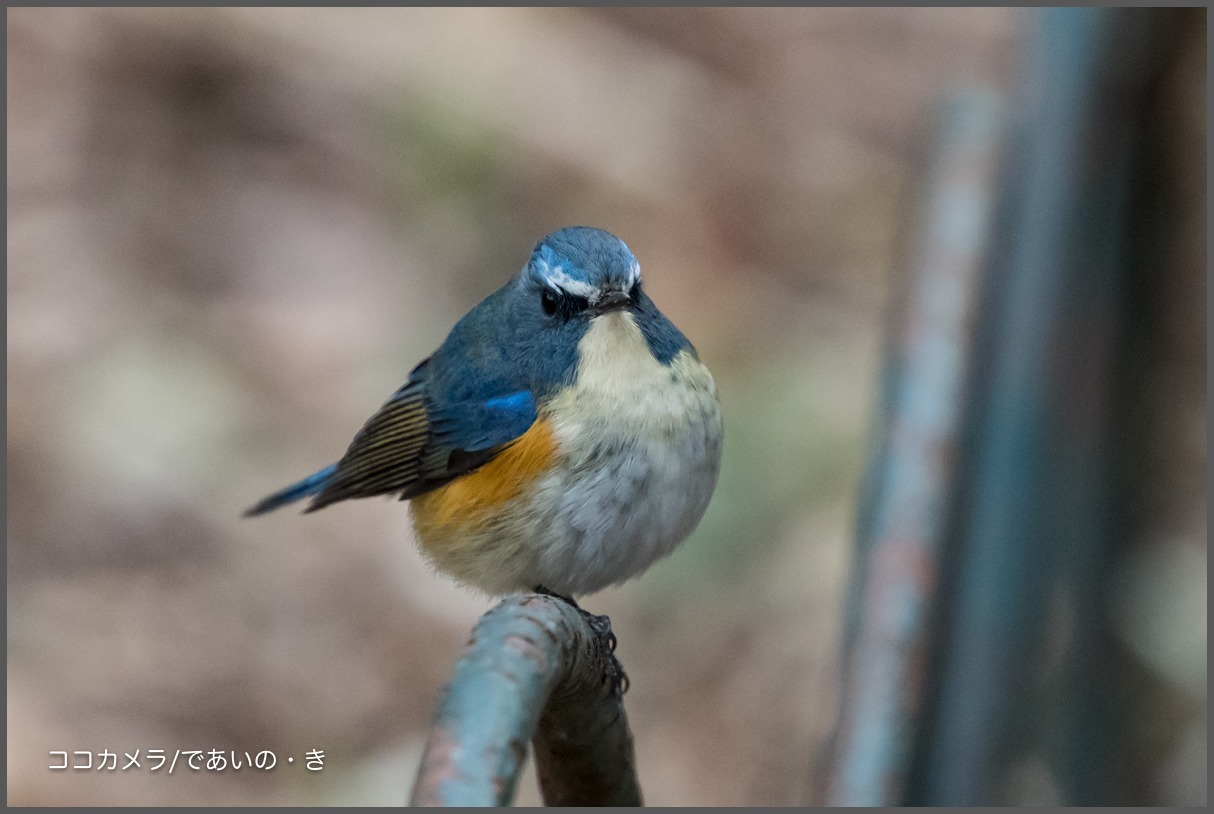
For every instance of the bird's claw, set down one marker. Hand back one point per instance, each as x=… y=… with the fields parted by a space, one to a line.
x=600 y=626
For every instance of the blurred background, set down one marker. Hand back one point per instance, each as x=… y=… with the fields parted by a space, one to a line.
x=232 y=232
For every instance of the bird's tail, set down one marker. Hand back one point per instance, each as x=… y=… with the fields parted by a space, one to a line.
x=307 y=487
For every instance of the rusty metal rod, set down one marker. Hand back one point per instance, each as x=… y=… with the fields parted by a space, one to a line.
x=913 y=475
x=533 y=670
x=1036 y=521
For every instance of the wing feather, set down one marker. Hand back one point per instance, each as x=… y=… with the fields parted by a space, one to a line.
x=384 y=456
x=417 y=442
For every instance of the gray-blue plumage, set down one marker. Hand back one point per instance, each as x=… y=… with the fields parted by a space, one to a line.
x=617 y=424
x=483 y=387
x=586 y=255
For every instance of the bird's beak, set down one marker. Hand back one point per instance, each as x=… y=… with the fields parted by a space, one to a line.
x=611 y=301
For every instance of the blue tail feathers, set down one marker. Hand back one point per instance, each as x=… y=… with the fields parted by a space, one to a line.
x=307 y=487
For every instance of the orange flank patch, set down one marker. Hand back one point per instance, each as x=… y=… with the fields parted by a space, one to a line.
x=470 y=501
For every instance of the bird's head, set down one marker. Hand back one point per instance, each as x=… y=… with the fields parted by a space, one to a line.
x=580 y=273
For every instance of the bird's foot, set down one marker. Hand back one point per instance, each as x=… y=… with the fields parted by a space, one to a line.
x=600 y=626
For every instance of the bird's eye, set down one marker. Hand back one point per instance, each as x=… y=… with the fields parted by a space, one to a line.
x=562 y=304
x=634 y=293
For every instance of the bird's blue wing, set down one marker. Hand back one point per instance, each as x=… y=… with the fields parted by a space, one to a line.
x=420 y=440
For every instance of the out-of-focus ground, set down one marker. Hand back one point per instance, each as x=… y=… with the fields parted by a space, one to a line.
x=232 y=232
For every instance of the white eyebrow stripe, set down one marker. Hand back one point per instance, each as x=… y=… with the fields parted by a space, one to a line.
x=556 y=276
x=634 y=273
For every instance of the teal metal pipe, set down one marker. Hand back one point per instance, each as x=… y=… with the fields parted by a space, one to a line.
x=974 y=650
x=1034 y=521
x=912 y=475
x=533 y=670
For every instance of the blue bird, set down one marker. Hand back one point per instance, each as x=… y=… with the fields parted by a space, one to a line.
x=563 y=438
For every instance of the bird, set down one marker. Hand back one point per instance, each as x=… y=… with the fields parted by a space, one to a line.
x=563 y=438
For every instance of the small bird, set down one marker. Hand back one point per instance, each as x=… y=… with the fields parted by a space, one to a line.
x=563 y=438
